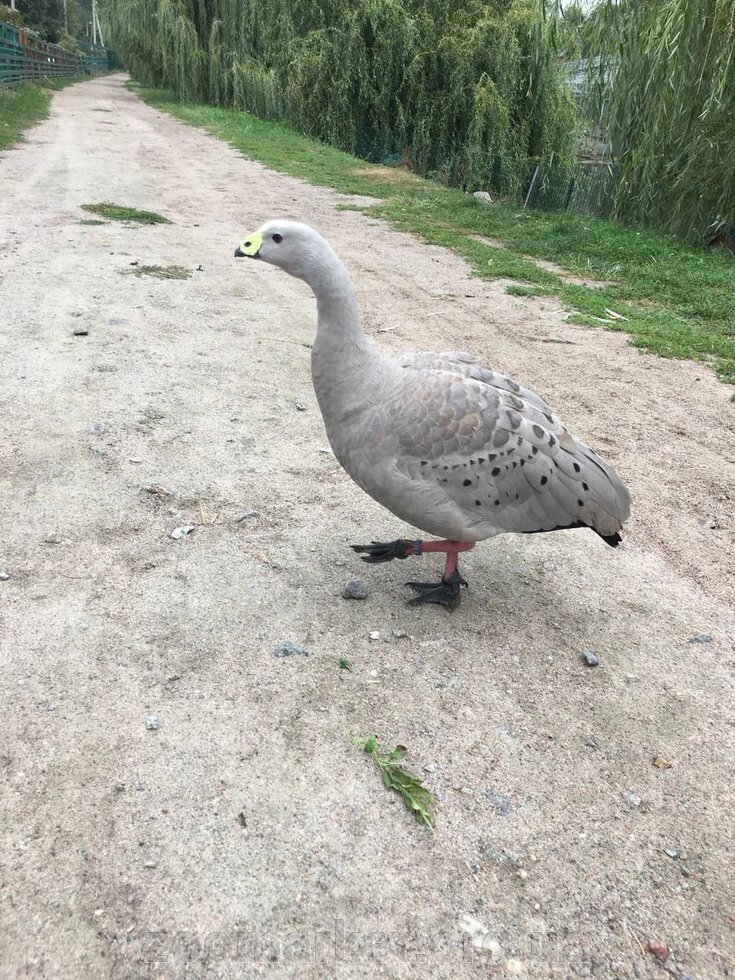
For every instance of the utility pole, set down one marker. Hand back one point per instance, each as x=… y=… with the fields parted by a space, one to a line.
x=66 y=17
x=96 y=29
x=12 y=5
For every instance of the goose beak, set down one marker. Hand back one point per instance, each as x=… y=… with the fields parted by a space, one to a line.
x=250 y=248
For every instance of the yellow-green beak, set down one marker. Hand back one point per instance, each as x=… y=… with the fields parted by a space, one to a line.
x=250 y=247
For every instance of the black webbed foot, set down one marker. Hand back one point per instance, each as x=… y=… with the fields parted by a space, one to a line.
x=444 y=593
x=380 y=551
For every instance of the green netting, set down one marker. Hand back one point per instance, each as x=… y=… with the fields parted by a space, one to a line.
x=26 y=58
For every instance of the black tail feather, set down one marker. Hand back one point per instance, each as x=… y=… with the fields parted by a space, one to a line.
x=612 y=539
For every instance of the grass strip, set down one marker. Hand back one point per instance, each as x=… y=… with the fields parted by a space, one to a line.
x=22 y=106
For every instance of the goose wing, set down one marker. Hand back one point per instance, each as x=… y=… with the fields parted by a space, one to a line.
x=496 y=451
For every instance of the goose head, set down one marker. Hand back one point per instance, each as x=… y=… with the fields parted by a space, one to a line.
x=294 y=247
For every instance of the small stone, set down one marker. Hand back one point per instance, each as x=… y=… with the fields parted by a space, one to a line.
x=151 y=723
x=479 y=935
x=630 y=797
x=430 y=767
x=659 y=949
x=156 y=490
x=701 y=638
x=592 y=744
x=243 y=820
x=482 y=196
x=515 y=967
x=400 y=634
x=501 y=803
x=288 y=649
x=4 y=576
x=709 y=522
x=150 y=864
x=80 y=332
x=660 y=763
x=590 y=658
x=354 y=589
x=134 y=459
x=299 y=407
x=181 y=532
x=375 y=635
x=246 y=516
x=53 y=538
x=96 y=428
x=672 y=853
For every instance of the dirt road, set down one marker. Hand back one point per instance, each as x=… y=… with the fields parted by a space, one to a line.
x=248 y=835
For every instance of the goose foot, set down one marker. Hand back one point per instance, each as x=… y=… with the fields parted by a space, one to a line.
x=380 y=551
x=444 y=593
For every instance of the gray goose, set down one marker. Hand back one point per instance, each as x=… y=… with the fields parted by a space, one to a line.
x=448 y=446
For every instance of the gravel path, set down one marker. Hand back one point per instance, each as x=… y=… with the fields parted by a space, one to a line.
x=247 y=834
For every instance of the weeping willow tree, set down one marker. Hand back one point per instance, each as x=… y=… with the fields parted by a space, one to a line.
x=470 y=90
x=662 y=76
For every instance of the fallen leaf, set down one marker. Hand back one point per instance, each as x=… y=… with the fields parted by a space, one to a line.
x=415 y=795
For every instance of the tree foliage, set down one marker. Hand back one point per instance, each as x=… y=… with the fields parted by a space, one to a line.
x=46 y=17
x=469 y=90
x=662 y=75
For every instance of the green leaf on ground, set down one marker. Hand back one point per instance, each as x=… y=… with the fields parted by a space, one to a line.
x=414 y=794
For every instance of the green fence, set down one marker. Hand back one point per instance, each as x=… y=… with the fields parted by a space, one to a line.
x=26 y=58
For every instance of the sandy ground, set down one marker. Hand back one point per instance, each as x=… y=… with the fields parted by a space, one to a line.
x=248 y=835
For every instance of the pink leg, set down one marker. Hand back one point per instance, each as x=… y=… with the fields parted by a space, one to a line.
x=452 y=548
x=446 y=592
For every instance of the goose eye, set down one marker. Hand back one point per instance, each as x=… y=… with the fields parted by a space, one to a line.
x=277 y=238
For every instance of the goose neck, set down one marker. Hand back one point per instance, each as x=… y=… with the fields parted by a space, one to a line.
x=336 y=302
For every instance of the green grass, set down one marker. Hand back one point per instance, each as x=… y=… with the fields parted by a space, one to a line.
x=520 y=290
x=161 y=271
x=677 y=300
x=22 y=106
x=117 y=212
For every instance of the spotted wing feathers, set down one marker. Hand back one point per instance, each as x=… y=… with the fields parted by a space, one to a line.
x=498 y=452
